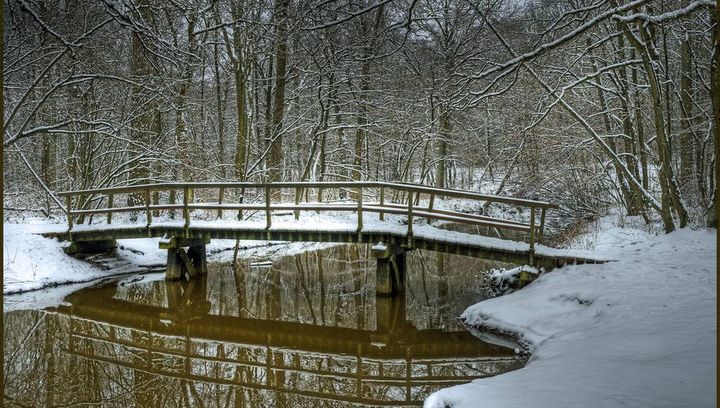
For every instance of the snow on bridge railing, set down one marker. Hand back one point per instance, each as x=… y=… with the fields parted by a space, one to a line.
x=331 y=196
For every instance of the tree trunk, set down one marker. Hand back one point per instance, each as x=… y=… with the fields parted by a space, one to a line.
x=275 y=162
x=445 y=127
x=687 y=162
x=712 y=214
x=670 y=199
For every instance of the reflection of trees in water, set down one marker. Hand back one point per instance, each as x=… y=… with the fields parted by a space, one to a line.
x=54 y=360
x=335 y=287
x=440 y=286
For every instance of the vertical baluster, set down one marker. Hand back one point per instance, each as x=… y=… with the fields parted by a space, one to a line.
x=268 y=220
x=147 y=209
x=532 y=233
x=410 y=215
x=359 y=208
x=110 y=205
x=241 y=200
x=68 y=209
x=172 y=199
x=382 y=202
x=221 y=196
x=542 y=225
x=156 y=201
x=298 y=193
x=186 y=210
x=430 y=206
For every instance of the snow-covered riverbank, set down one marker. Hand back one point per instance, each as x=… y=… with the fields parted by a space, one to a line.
x=32 y=262
x=638 y=332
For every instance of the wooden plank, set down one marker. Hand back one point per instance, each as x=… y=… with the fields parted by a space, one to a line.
x=430 y=207
x=410 y=215
x=109 y=210
x=459 y=214
x=109 y=213
x=268 y=211
x=69 y=212
x=532 y=233
x=382 y=201
x=459 y=218
x=279 y=207
x=416 y=188
x=221 y=196
x=147 y=208
x=186 y=210
x=359 y=209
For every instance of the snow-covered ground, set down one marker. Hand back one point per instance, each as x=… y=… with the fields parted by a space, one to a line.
x=32 y=262
x=639 y=332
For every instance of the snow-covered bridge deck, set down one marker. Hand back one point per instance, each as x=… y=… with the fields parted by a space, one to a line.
x=338 y=212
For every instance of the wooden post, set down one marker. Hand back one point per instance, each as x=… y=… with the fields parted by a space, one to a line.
x=110 y=204
x=532 y=233
x=430 y=206
x=147 y=209
x=186 y=210
x=241 y=200
x=156 y=201
x=268 y=219
x=382 y=202
x=221 y=196
x=542 y=225
x=410 y=215
x=298 y=193
x=359 y=209
x=172 y=200
x=173 y=269
x=68 y=209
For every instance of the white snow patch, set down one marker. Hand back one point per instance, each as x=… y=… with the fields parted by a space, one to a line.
x=638 y=332
x=31 y=261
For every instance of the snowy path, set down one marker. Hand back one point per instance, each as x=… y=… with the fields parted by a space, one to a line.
x=639 y=332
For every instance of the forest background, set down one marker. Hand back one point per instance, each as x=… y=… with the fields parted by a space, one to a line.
x=591 y=104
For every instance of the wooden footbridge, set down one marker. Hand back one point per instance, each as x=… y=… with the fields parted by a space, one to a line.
x=189 y=215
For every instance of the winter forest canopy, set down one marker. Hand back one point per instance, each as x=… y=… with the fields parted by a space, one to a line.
x=591 y=104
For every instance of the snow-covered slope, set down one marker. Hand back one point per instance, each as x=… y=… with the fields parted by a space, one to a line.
x=639 y=332
x=31 y=261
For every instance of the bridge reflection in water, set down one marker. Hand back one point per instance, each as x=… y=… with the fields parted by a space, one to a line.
x=309 y=331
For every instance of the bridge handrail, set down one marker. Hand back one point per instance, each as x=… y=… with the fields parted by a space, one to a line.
x=356 y=204
x=314 y=184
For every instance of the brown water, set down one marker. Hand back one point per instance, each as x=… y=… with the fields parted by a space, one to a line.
x=306 y=332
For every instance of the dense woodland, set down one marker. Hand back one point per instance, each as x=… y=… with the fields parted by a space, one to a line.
x=592 y=104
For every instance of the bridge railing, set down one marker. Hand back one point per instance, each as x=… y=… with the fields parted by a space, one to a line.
x=409 y=200
x=356 y=378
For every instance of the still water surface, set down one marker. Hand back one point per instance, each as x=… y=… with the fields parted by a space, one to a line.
x=307 y=331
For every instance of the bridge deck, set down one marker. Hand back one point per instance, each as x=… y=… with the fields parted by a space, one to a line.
x=323 y=229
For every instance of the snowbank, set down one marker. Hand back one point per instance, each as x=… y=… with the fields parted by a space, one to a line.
x=32 y=262
x=638 y=332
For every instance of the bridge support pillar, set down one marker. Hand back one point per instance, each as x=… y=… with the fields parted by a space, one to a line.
x=390 y=269
x=181 y=262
